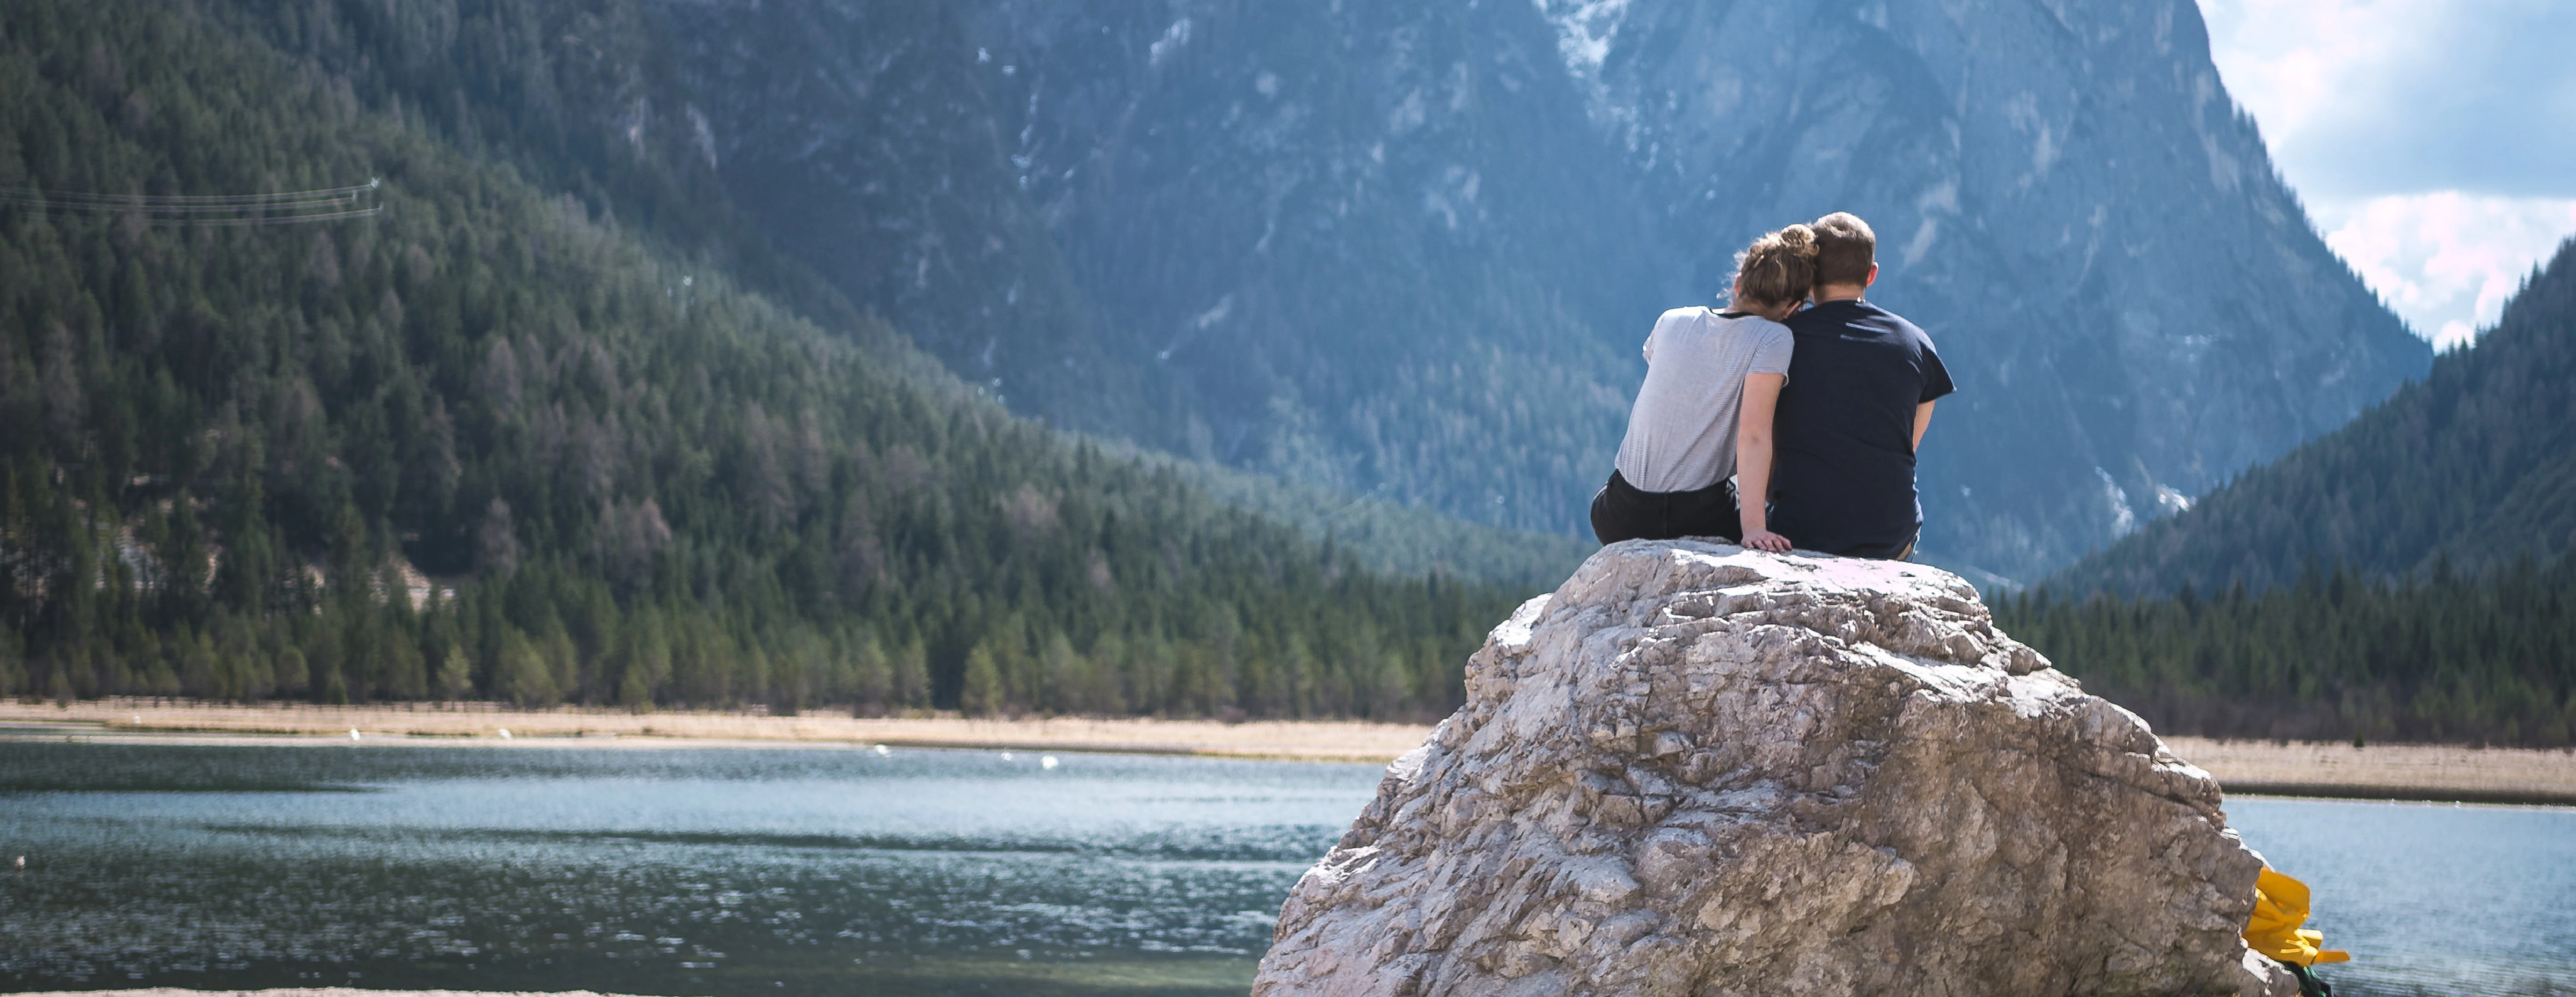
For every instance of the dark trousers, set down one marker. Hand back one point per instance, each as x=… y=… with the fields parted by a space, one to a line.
x=1841 y=539
x=1884 y=552
x=1621 y=512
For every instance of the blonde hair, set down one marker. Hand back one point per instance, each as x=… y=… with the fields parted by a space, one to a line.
x=1779 y=267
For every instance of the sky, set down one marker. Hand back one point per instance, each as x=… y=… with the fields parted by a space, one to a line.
x=2433 y=142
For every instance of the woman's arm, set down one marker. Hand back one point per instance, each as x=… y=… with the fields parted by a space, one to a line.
x=1753 y=460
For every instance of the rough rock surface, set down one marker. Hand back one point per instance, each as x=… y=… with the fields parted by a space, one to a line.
x=1697 y=769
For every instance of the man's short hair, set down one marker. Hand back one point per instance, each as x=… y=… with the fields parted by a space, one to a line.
x=1845 y=249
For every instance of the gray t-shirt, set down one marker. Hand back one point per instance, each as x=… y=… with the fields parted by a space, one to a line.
x=1681 y=433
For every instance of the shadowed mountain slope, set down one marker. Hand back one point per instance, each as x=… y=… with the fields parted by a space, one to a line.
x=2473 y=467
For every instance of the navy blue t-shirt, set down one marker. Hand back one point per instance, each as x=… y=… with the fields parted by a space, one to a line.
x=1845 y=429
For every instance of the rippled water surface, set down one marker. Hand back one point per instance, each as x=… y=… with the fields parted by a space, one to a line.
x=778 y=871
x=2431 y=898
x=654 y=871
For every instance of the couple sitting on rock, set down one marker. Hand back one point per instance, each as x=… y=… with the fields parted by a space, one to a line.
x=1817 y=406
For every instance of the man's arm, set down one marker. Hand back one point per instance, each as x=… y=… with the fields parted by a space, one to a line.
x=1753 y=460
x=1922 y=421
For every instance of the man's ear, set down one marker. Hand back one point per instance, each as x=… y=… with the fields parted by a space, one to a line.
x=1873 y=276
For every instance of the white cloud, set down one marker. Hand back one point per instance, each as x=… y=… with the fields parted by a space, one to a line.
x=2284 y=59
x=2428 y=138
x=2363 y=97
x=2446 y=262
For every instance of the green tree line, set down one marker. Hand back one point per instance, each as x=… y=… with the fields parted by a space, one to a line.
x=2334 y=655
x=495 y=443
x=2438 y=505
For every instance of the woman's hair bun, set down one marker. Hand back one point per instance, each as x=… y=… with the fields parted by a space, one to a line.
x=1779 y=267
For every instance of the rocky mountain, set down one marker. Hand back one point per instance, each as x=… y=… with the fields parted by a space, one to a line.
x=2465 y=471
x=2069 y=201
x=1408 y=250
x=1215 y=231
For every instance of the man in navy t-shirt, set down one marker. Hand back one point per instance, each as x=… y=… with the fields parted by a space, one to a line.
x=1861 y=385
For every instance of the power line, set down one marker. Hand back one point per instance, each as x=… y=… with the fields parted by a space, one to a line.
x=339 y=203
x=294 y=195
x=283 y=207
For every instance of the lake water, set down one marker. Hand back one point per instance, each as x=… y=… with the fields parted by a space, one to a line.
x=794 y=871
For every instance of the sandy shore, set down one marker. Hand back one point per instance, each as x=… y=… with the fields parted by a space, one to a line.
x=1326 y=741
x=2385 y=771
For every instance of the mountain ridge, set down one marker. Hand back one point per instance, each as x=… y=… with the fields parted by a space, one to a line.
x=2465 y=470
x=2409 y=576
x=1406 y=251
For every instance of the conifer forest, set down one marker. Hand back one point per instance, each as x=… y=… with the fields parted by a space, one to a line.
x=307 y=401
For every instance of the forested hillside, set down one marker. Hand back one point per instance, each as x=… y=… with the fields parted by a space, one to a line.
x=2412 y=575
x=586 y=97
x=629 y=475
x=2475 y=464
x=2488 y=660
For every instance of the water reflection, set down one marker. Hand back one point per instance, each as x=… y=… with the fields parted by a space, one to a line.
x=652 y=871
x=784 y=871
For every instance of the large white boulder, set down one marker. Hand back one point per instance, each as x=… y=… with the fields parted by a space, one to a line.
x=1697 y=769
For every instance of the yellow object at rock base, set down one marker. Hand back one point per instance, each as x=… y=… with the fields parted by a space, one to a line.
x=2280 y=907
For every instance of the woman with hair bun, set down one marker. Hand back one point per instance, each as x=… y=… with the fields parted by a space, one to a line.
x=1699 y=435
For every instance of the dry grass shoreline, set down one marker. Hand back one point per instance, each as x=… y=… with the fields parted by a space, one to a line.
x=481 y=723
x=2434 y=772
x=2247 y=768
